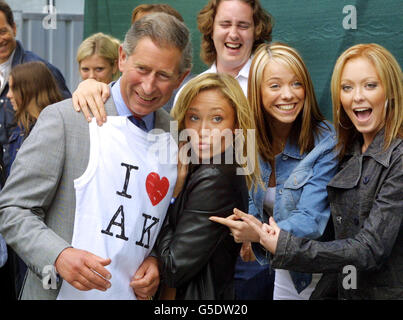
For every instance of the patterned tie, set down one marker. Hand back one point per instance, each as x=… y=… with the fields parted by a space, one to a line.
x=138 y=122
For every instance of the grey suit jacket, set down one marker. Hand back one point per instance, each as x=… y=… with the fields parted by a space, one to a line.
x=37 y=204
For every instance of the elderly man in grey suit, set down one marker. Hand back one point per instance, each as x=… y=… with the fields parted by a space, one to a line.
x=37 y=204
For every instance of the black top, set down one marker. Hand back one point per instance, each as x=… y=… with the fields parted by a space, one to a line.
x=197 y=255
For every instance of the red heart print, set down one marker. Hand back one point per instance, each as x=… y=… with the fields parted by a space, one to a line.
x=156 y=188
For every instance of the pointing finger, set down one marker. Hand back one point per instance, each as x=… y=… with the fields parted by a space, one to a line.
x=225 y=221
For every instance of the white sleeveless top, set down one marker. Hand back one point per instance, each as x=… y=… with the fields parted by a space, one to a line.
x=121 y=201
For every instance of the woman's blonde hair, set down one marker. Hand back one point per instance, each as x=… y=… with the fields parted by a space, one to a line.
x=34 y=88
x=390 y=75
x=205 y=22
x=232 y=91
x=103 y=45
x=307 y=124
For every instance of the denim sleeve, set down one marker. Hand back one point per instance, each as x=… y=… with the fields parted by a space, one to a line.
x=312 y=212
x=260 y=252
x=3 y=251
x=252 y=208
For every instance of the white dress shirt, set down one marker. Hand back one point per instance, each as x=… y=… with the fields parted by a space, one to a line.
x=5 y=69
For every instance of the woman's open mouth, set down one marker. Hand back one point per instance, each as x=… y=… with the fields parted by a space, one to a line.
x=362 y=114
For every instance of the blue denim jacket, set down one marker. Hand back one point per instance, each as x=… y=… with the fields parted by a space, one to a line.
x=15 y=141
x=301 y=205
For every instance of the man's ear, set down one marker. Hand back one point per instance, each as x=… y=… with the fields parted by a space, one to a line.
x=122 y=58
x=181 y=78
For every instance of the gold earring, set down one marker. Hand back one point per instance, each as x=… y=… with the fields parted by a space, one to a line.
x=341 y=125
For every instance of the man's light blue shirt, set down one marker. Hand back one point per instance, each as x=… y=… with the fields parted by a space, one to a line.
x=123 y=110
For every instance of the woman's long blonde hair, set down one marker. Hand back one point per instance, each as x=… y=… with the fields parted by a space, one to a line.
x=307 y=123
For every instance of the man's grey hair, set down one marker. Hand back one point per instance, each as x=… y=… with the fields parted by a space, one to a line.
x=164 y=30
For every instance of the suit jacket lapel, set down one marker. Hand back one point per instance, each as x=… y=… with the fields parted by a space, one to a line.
x=110 y=107
x=162 y=119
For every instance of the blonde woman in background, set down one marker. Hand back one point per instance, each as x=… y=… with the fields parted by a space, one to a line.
x=97 y=57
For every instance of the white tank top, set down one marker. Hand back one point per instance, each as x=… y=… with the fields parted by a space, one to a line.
x=121 y=201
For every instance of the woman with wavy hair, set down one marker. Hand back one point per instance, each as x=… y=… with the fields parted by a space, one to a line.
x=366 y=194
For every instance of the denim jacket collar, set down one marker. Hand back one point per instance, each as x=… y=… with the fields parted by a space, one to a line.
x=292 y=150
